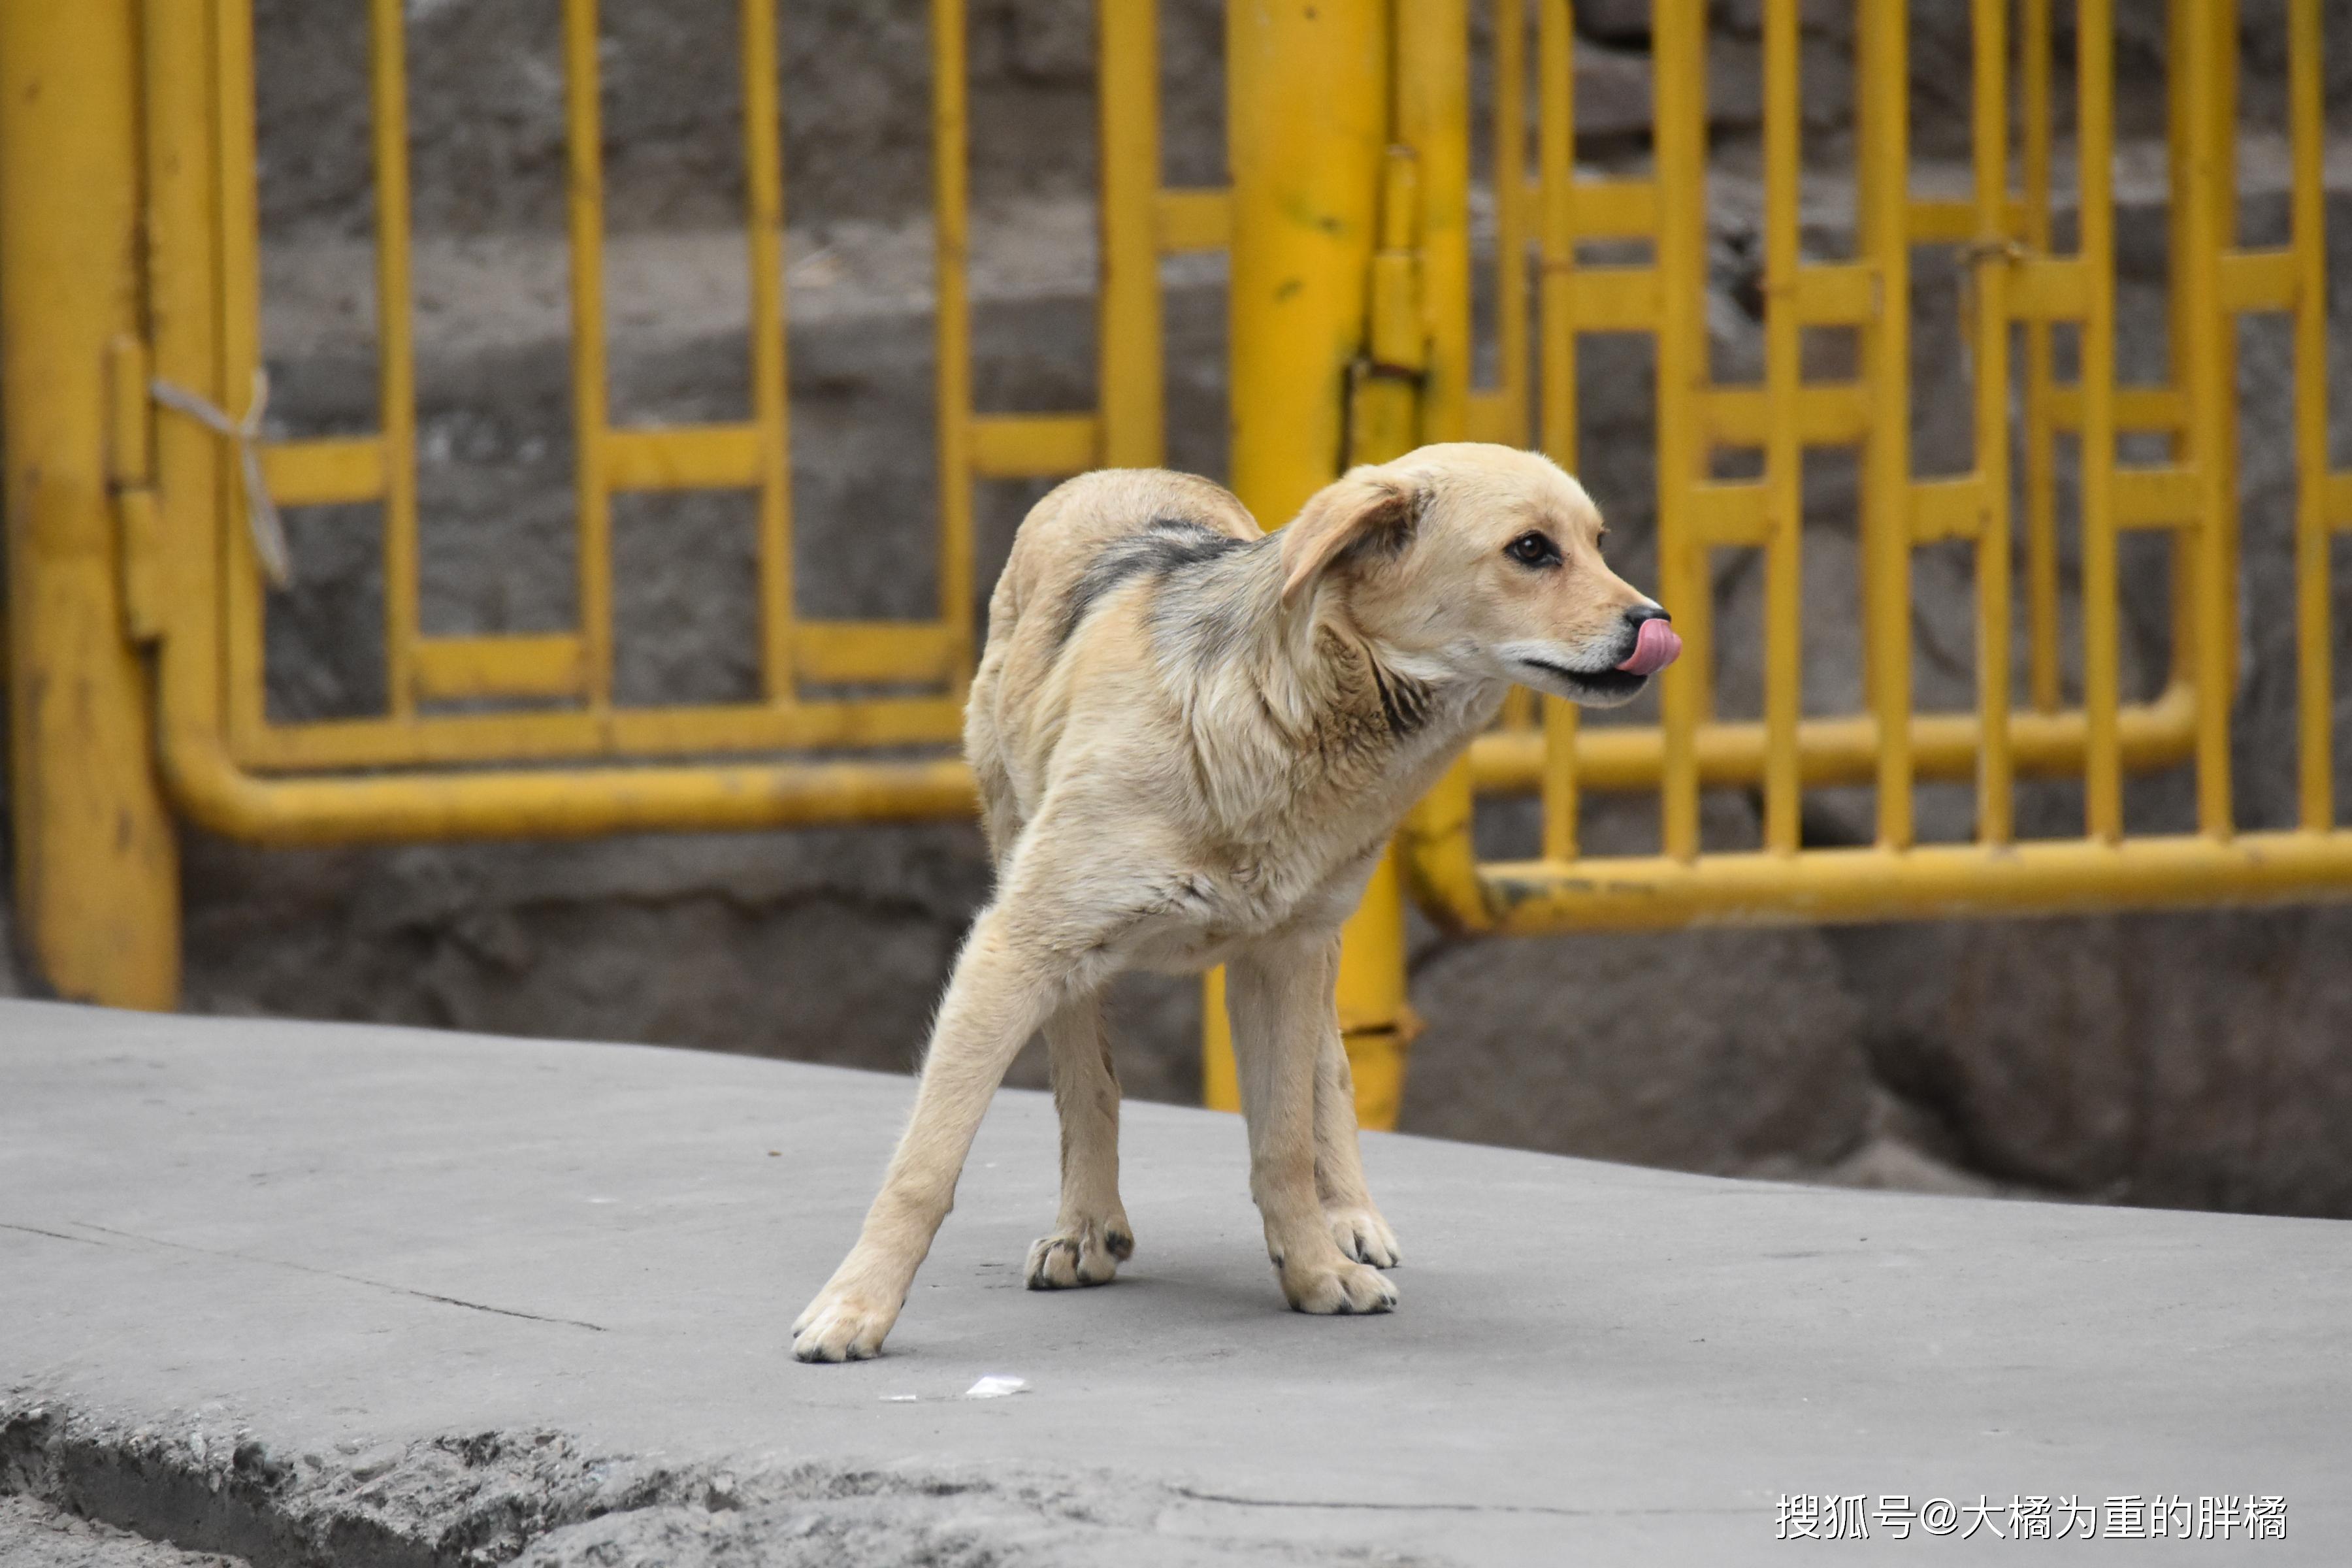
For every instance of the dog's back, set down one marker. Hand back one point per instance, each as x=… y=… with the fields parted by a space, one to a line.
x=1078 y=550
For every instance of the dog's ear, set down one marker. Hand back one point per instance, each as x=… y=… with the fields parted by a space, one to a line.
x=1363 y=506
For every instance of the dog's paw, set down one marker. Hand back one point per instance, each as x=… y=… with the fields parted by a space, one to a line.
x=1089 y=1253
x=1337 y=1289
x=842 y=1325
x=1364 y=1236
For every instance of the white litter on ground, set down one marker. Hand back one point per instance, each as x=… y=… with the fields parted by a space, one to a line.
x=995 y=1387
x=899 y=1398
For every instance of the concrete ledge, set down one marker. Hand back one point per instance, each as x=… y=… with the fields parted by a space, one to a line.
x=312 y=1293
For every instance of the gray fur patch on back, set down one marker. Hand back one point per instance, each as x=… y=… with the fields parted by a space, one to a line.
x=1201 y=628
x=1165 y=546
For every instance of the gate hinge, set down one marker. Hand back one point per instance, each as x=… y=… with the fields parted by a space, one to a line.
x=1384 y=383
x=129 y=474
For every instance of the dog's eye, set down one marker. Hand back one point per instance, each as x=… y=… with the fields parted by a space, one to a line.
x=1533 y=549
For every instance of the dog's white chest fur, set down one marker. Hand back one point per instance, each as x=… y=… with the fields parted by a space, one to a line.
x=1203 y=918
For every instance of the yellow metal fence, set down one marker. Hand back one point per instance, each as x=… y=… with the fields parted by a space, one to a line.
x=2019 y=293
x=129 y=237
x=199 y=593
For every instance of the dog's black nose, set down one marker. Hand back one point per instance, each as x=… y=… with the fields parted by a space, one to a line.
x=1640 y=612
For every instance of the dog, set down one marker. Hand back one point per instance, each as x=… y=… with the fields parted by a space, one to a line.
x=1193 y=740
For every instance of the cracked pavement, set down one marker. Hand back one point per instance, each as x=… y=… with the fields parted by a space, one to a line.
x=326 y=1294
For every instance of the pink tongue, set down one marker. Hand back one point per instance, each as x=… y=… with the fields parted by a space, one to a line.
x=1656 y=648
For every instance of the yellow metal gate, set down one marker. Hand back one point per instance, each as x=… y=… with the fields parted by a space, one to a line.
x=129 y=311
x=2019 y=290
x=1404 y=376
x=149 y=298
x=233 y=768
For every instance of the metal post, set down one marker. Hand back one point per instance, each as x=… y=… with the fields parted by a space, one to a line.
x=96 y=867
x=1127 y=345
x=1308 y=102
x=1883 y=171
x=1308 y=123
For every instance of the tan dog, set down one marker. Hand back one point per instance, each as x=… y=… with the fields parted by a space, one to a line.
x=1193 y=740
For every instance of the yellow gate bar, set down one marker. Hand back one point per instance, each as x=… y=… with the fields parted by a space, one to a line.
x=1937 y=881
x=444 y=668
x=1128 y=344
x=1186 y=220
x=395 y=344
x=1779 y=512
x=336 y=472
x=2095 y=97
x=1882 y=159
x=590 y=401
x=1834 y=750
x=572 y=802
x=1684 y=698
x=915 y=653
x=1022 y=445
x=951 y=324
x=1559 y=210
x=1996 y=222
x=96 y=859
x=1307 y=123
x=2323 y=501
x=690 y=458
x=763 y=258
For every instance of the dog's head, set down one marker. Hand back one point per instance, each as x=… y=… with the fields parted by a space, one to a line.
x=1486 y=560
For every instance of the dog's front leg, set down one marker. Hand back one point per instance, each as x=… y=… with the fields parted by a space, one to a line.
x=1279 y=996
x=1005 y=984
x=1356 y=1225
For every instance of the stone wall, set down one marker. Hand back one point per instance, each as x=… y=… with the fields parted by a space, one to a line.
x=487 y=99
x=2177 y=1059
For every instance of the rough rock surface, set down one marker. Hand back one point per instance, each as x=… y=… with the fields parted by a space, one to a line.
x=35 y=1535
x=540 y=1499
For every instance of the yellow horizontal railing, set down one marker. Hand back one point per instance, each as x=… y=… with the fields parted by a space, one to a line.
x=462 y=668
x=216 y=793
x=1935 y=882
x=1630 y=759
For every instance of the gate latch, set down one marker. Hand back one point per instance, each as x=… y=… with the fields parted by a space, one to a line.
x=131 y=482
x=1384 y=383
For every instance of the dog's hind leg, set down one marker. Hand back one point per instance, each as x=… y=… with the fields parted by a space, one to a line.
x=1090 y=1236
x=1356 y=1225
x=1280 y=994
x=1007 y=982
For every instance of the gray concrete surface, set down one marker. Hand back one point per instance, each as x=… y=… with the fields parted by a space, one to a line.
x=328 y=1294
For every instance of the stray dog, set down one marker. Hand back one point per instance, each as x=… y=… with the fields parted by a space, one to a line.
x=1193 y=740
